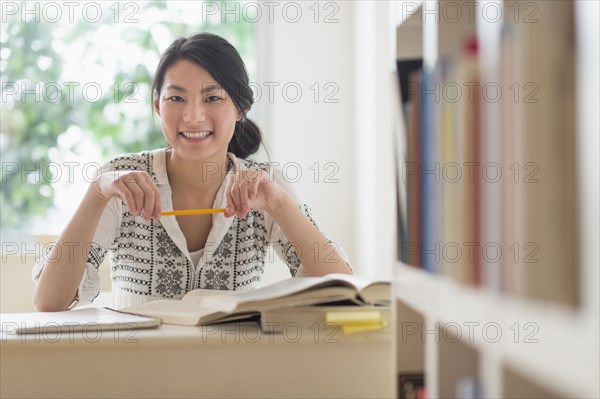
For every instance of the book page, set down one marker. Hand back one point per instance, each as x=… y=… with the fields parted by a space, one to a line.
x=358 y=282
x=281 y=289
x=276 y=290
x=171 y=306
x=199 y=293
x=177 y=311
x=377 y=294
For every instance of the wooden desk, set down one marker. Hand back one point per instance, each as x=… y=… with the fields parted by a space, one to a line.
x=229 y=360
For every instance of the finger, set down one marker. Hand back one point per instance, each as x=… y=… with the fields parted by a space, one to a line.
x=137 y=193
x=243 y=192
x=148 y=197
x=156 y=213
x=229 y=207
x=152 y=208
x=126 y=195
x=253 y=186
x=235 y=198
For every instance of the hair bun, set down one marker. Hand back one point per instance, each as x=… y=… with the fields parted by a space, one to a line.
x=246 y=139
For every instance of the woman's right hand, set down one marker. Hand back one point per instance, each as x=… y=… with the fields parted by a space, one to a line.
x=134 y=187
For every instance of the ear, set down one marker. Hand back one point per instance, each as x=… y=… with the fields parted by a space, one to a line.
x=242 y=114
x=156 y=105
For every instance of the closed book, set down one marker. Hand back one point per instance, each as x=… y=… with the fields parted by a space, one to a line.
x=400 y=139
x=413 y=173
x=510 y=126
x=451 y=174
x=468 y=135
x=403 y=105
x=77 y=320
x=431 y=249
x=547 y=246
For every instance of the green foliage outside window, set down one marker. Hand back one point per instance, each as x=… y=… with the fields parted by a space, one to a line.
x=39 y=130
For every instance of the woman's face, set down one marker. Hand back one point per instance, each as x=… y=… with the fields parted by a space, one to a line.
x=197 y=116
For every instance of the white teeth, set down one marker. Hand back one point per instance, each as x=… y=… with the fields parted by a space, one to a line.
x=196 y=135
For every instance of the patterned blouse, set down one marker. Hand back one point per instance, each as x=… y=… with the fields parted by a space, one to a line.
x=150 y=259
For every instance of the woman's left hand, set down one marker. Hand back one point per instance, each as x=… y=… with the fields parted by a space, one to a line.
x=251 y=189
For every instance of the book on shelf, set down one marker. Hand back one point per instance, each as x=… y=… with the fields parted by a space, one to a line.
x=400 y=159
x=413 y=175
x=539 y=126
x=409 y=48
x=411 y=386
x=430 y=170
x=511 y=131
x=468 y=157
x=77 y=320
x=402 y=107
x=469 y=387
x=198 y=308
x=452 y=210
x=403 y=69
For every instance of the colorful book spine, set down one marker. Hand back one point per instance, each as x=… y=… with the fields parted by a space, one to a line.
x=413 y=175
x=430 y=171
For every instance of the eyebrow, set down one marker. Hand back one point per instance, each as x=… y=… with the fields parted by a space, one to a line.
x=211 y=87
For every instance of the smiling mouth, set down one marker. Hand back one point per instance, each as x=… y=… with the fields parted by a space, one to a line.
x=196 y=135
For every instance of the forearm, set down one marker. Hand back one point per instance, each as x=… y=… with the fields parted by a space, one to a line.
x=63 y=271
x=317 y=255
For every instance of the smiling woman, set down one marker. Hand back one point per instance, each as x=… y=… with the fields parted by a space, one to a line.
x=201 y=94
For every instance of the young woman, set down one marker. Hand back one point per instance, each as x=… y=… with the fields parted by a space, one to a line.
x=201 y=93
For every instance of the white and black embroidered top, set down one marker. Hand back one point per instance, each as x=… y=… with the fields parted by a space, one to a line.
x=150 y=259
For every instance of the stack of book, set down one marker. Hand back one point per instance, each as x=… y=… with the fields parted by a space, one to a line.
x=350 y=302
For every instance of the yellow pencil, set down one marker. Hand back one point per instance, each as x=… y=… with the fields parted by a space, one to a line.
x=193 y=212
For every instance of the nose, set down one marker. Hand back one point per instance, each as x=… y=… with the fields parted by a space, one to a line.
x=194 y=113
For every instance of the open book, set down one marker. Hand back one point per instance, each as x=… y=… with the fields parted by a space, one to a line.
x=200 y=307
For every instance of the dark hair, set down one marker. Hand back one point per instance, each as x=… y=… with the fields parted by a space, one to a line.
x=224 y=63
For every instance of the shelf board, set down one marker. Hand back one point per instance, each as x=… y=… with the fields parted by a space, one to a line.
x=552 y=345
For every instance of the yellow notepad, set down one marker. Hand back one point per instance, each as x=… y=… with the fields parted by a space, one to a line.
x=356 y=321
x=363 y=327
x=353 y=316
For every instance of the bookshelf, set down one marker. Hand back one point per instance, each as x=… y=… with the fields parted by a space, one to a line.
x=478 y=326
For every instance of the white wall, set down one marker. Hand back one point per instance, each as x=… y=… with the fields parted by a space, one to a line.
x=354 y=134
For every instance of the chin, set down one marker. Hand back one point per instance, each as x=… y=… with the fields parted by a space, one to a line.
x=199 y=154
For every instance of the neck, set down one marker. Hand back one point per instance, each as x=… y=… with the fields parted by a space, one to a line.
x=204 y=175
